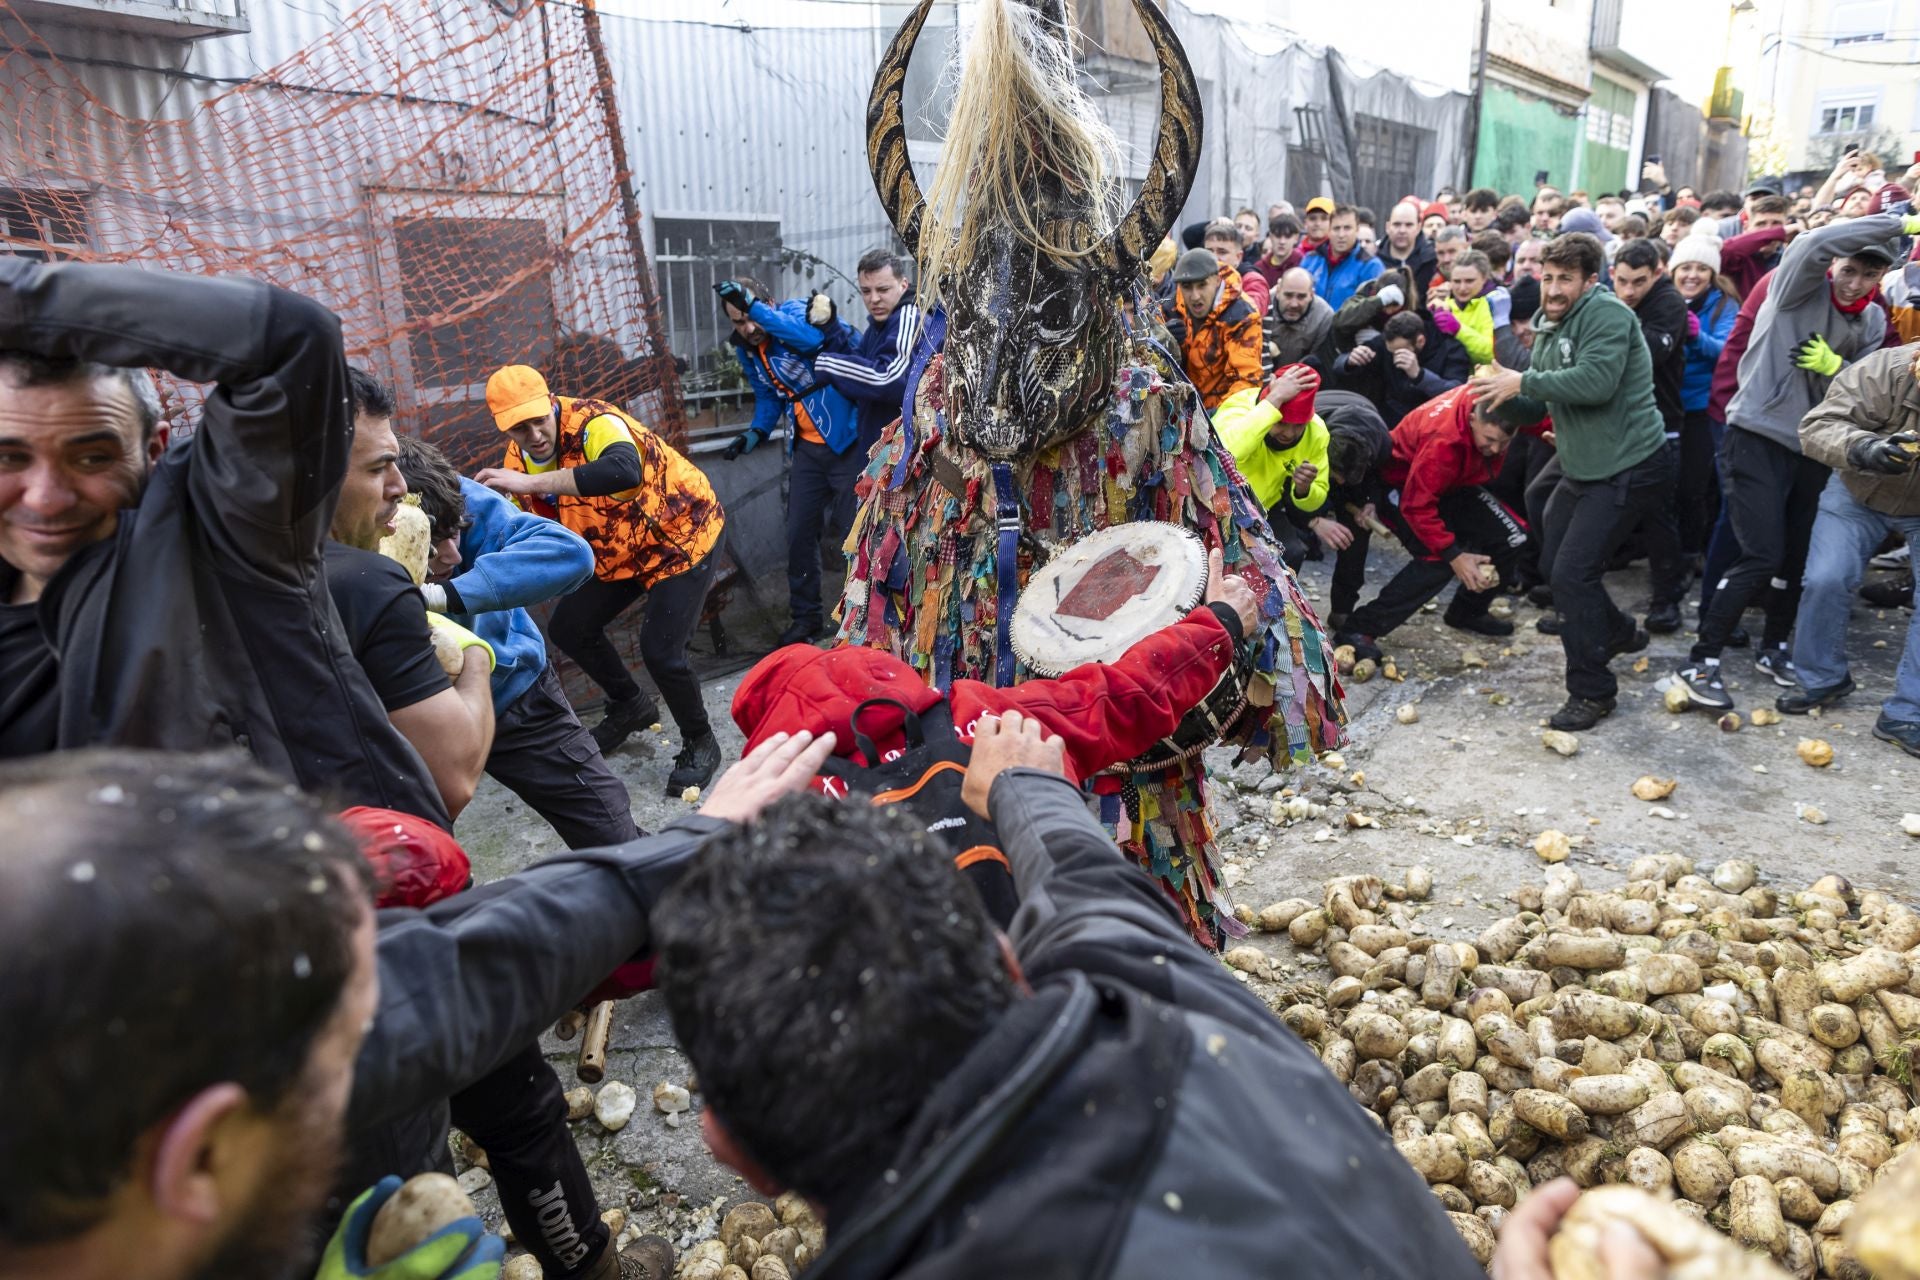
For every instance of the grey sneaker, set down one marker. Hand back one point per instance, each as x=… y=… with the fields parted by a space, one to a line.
x=1777 y=667
x=1703 y=685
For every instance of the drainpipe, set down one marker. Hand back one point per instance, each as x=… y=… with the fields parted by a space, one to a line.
x=1479 y=93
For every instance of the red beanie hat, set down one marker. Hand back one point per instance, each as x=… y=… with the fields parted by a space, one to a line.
x=1299 y=409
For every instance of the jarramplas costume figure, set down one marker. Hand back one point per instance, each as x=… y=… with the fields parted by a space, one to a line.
x=1040 y=409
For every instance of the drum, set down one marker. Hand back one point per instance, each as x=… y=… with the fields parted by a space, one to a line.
x=1096 y=598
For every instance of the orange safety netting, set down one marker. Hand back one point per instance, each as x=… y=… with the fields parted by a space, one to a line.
x=449 y=178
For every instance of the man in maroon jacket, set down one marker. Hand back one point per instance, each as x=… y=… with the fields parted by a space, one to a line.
x=1444 y=454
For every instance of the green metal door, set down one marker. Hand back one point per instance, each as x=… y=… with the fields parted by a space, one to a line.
x=1609 y=127
x=1520 y=135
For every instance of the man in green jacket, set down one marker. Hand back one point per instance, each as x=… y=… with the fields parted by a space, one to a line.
x=1592 y=372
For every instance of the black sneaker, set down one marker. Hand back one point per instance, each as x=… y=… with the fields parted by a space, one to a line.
x=1581 y=713
x=1540 y=596
x=1633 y=642
x=1363 y=646
x=1547 y=624
x=1663 y=619
x=1776 y=666
x=695 y=765
x=1481 y=624
x=1703 y=685
x=1904 y=734
x=623 y=719
x=1889 y=593
x=799 y=632
x=1805 y=702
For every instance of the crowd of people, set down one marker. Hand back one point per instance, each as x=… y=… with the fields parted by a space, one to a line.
x=236 y=728
x=1527 y=392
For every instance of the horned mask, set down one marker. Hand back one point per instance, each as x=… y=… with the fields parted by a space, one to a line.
x=1018 y=238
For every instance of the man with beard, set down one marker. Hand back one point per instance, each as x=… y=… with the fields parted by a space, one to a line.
x=1592 y=371
x=122 y=557
x=220 y=899
x=448 y=721
x=1299 y=327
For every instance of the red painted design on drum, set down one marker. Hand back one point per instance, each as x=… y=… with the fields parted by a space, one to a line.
x=1112 y=581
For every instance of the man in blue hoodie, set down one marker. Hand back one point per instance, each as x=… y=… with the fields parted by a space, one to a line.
x=776 y=347
x=488 y=562
x=874 y=374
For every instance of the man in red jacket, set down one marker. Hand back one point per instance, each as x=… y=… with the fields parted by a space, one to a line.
x=1444 y=454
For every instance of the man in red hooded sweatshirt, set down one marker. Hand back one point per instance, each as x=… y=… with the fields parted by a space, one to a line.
x=1444 y=454
x=1104 y=713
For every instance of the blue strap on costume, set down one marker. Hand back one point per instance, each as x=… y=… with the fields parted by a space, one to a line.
x=1006 y=523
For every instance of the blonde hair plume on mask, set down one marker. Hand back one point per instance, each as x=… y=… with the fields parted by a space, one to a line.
x=1020 y=119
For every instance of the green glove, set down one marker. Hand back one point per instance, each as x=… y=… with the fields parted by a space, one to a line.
x=462 y=1250
x=1815 y=356
x=451 y=641
x=1910 y=225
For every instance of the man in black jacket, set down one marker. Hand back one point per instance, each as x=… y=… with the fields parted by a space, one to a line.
x=1094 y=1096
x=1358 y=445
x=211 y=1161
x=1641 y=281
x=175 y=596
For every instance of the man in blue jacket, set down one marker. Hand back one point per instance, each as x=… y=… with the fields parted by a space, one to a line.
x=874 y=374
x=776 y=347
x=1341 y=264
x=489 y=561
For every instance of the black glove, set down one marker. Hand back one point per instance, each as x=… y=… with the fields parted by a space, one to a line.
x=1884 y=455
x=742 y=443
x=735 y=295
x=821 y=311
x=1177 y=329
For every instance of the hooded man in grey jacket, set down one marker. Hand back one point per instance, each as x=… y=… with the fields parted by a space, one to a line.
x=1868 y=430
x=1819 y=315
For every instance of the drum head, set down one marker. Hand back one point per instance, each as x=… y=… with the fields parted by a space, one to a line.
x=1094 y=599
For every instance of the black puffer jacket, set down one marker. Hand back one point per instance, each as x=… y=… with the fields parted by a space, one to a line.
x=1142 y=1115
x=1663 y=323
x=205 y=620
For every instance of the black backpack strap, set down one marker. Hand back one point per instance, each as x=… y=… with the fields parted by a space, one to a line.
x=909 y=726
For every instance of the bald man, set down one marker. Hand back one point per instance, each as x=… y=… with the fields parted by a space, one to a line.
x=1299 y=326
x=1407 y=251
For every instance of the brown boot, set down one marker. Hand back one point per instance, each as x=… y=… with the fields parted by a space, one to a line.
x=648 y=1258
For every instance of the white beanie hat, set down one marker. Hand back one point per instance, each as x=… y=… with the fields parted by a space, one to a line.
x=1697 y=248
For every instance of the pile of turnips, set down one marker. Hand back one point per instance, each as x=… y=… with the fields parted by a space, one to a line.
x=1743 y=1055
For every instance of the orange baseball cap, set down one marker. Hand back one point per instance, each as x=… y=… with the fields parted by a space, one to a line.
x=1319 y=204
x=516 y=393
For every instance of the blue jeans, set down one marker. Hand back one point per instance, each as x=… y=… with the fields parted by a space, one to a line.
x=1845 y=536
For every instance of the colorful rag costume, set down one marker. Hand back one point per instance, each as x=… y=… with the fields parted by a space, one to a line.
x=1039 y=410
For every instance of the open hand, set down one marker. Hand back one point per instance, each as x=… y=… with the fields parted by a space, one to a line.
x=1231 y=590
x=1496 y=386
x=781 y=766
x=1010 y=741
